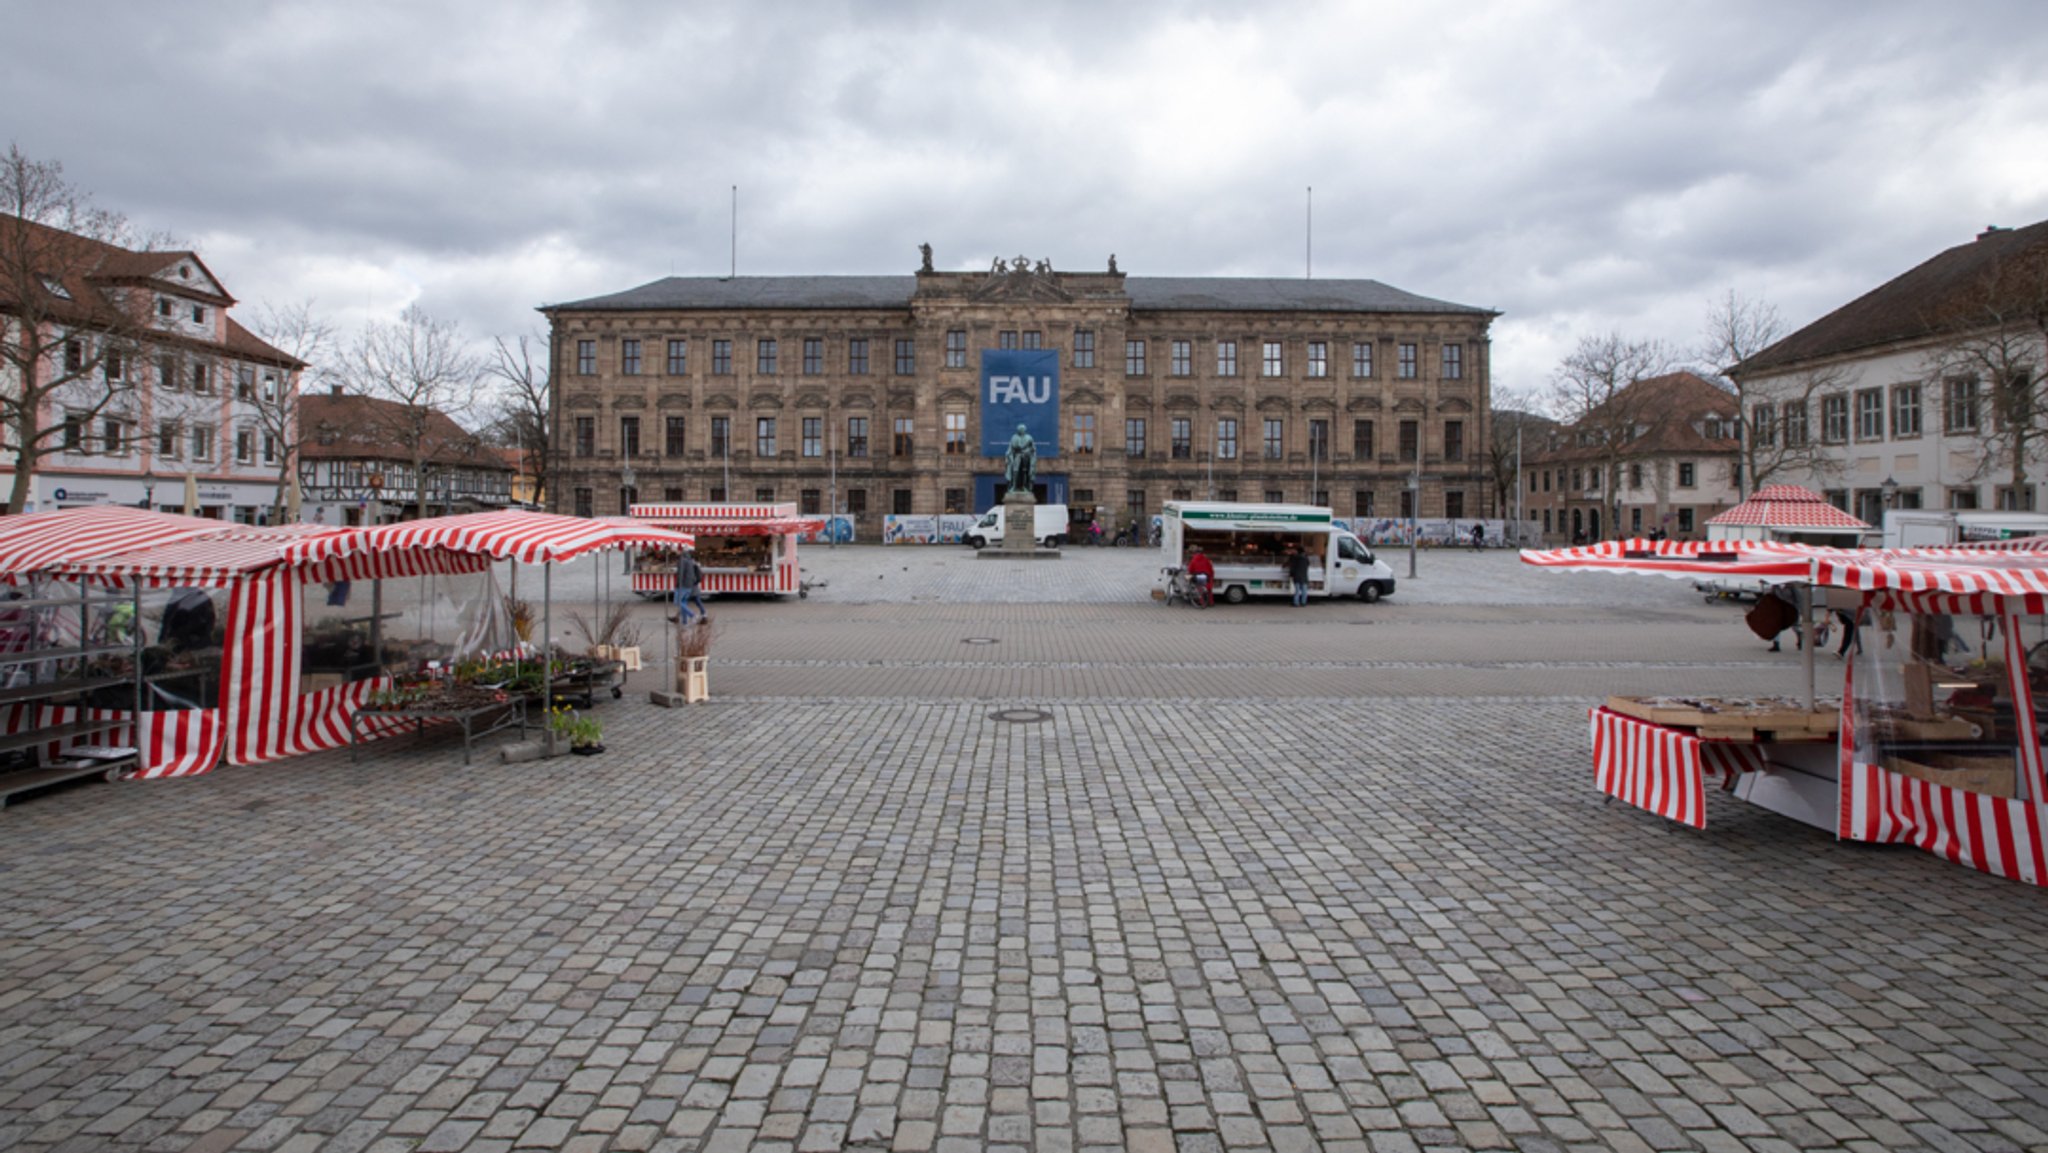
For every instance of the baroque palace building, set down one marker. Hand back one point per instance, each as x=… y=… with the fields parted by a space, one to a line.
x=862 y=394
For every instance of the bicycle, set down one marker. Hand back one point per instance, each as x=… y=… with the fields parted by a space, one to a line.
x=1187 y=590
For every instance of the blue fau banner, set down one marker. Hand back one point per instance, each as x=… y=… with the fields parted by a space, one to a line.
x=1020 y=386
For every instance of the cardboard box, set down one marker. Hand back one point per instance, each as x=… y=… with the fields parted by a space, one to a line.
x=1992 y=776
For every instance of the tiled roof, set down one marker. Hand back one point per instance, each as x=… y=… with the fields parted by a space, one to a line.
x=352 y=427
x=1672 y=403
x=1946 y=294
x=1156 y=293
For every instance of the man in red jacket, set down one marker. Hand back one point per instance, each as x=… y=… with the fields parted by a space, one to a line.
x=1200 y=570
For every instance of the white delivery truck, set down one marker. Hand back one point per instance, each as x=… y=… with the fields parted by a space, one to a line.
x=1048 y=524
x=1248 y=545
x=1939 y=528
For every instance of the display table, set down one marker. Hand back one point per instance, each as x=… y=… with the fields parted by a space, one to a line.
x=477 y=718
x=582 y=680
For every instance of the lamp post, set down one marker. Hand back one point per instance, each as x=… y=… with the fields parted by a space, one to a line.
x=1889 y=490
x=1414 y=510
x=149 y=491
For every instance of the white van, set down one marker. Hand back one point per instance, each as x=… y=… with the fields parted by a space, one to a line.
x=1048 y=524
x=1247 y=544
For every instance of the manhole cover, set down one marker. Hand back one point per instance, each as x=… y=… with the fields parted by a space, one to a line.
x=1020 y=716
x=979 y=641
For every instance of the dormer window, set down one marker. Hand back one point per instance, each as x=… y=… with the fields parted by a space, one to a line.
x=198 y=314
x=56 y=287
x=1713 y=428
x=163 y=307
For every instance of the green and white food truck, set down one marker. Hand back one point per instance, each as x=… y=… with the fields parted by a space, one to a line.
x=1248 y=545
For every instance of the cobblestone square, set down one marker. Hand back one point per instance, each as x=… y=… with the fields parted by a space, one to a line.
x=1127 y=878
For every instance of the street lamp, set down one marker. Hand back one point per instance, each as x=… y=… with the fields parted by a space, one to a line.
x=149 y=491
x=1889 y=489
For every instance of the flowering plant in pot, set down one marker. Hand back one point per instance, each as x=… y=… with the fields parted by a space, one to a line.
x=585 y=732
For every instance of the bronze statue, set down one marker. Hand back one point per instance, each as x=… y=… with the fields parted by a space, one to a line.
x=1020 y=461
x=926 y=249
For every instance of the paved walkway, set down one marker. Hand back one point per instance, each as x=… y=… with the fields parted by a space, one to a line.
x=1234 y=893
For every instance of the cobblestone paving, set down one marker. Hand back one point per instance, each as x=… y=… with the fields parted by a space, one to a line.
x=1211 y=918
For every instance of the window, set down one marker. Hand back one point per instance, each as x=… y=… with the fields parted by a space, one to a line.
x=857 y=501
x=74 y=433
x=764 y=436
x=1084 y=434
x=1834 y=419
x=586 y=358
x=814 y=436
x=198 y=315
x=114 y=435
x=1793 y=420
x=586 y=502
x=678 y=358
x=168 y=440
x=1134 y=358
x=167 y=373
x=629 y=436
x=2012 y=499
x=1361 y=440
x=764 y=495
x=1635 y=522
x=202 y=442
x=1227 y=495
x=814 y=356
x=721 y=437
x=1134 y=507
x=269 y=448
x=163 y=306
x=74 y=356
x=1411 y=440
x=1134 y=436
x=1226 y=439
x=1361 y=502
x=586 y=436
x=764 y=357
x=1361 y=358
x=245 y=446
x=269 y=386
x=245 y=382
x=1454 y=504
x=1686 y=476
x=1275 y=439
x=906 y=358
x=856 y=436
x=1959 y=408
x=674 y=435
x=857 y=357
x=1454 y=440
x=1454 y=362
x=1182 y=494
x=1272 y=361
x=1226 y=358
x=721 y=358
x=1007 y=338
x=1763 y=426
x=1905 y=411
x=1275 y=496
x=899 y=501
x=956 y=500
x=956 y=434
x=956 y=348
x=1406 y=363
x=1635 y=475
x=1084 y=348
x=1034 y=339
x=903 y=440
x=1183 y=438
x=1319 y=439
x=1685 y=520
x=629 y=357
x=1318 y=358
x=1962 y=498
x=110 y=366
x=202 y=381
x=1870 y=414
x=1183 y=362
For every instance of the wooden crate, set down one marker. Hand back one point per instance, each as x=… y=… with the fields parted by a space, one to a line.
x=1994 y=776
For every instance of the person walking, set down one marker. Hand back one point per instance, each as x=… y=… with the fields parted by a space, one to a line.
x=689 y=586
x=1201 y=571
x=1297 y=571
x=1478 y=537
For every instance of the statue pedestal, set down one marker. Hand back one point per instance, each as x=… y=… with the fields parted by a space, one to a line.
x=1020 y=531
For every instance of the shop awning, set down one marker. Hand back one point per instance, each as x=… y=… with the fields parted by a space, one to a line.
x=1791 y=508
x=1760 y=560
x=527 y=537
x=236 y=552
x=38 y=541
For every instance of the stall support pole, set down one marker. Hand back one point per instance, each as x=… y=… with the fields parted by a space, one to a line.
x=1806 y=636
x=547 y=661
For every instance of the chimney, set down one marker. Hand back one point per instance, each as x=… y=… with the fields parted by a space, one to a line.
x=1990 y=229
x=337 y=389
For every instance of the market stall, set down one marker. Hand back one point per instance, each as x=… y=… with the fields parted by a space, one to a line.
x=744 y=548
x=1937 y=740
x=1781 y=514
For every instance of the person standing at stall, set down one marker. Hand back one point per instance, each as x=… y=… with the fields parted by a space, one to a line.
x=689 y=585
x=1297 y=571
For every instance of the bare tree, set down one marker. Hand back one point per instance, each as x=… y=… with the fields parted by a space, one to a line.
x=522 y=422
x=299 y=333
x=2000 y=341
x=1592 y=390
x=69 y=340
x=1515 y=426
x=1775 y=440
x=422 y=365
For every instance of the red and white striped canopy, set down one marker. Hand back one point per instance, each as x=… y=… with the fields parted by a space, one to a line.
x=40 y=541
x=238 y=552
x=727 y=519
x=527 y=537
x=1750 y=559
x=1789 y=506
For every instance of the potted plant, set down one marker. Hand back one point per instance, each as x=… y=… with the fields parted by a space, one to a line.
x=693 y=660
x=584 y=732
x=611 y=637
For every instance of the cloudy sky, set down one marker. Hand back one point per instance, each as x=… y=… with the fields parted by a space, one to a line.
x=1582 y=167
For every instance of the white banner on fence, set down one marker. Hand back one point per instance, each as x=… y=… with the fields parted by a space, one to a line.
x=926 y=529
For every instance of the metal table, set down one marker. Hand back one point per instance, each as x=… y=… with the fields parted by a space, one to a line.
x=470 y=717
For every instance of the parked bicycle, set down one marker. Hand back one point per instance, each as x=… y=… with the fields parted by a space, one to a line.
x=1184 y=589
